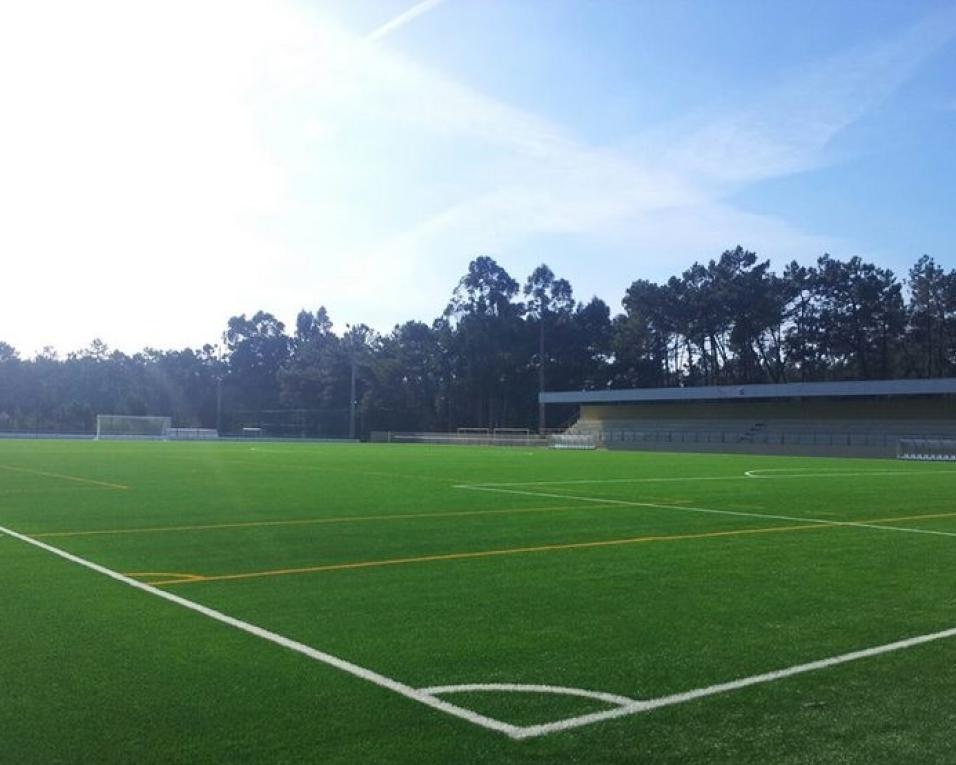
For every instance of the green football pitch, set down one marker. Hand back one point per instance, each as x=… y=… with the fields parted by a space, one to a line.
x=257 y=602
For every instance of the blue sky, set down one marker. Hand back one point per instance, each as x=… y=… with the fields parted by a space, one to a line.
x=171 y=165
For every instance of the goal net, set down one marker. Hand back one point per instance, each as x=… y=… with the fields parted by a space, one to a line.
x=927 y=449
x=573 y=441
x=130 y=426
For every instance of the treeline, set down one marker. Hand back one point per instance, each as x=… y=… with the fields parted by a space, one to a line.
x=732 y=320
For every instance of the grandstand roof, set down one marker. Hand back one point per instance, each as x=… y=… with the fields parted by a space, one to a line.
x=935 y=386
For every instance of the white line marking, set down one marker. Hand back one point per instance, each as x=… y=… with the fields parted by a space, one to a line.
x=772 y=473
x=758 y=473
x=559 y=690
x=346 y=666
x=709 y=510
x=625 y=706
x=617 y=480
x=637 y=707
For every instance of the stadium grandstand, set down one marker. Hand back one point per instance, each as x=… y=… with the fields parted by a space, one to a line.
x=858 y=419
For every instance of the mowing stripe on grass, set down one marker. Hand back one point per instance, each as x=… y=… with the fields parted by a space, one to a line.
x=63 y=477
x=709 y=510
x=334 y=661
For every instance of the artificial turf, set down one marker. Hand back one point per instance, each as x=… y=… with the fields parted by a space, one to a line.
x=607 y=571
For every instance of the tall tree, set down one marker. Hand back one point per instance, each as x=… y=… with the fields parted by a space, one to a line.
x=931 y=335
x=258 y=347
x=490 y=357
x=861 y=317
x=547 y=297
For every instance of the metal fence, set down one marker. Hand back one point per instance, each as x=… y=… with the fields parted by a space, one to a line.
x=460 y=439
x=834 y=438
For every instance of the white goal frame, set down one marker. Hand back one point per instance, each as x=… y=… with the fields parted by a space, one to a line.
x=192 y=434
x=129 y=426
x=580 y=441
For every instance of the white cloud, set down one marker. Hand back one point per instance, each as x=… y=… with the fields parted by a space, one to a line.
x=665 y=195
x=788 y=130
x=161 y=175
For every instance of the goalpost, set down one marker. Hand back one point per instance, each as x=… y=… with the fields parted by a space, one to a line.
x=927 y=449
x=511 y=436
x=192 y=434
x=573 y=441
x=131 y=426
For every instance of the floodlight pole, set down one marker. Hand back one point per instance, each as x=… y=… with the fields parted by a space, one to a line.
x=219 y=389
x=541 y=405
x=352 y=399
x=348 y=328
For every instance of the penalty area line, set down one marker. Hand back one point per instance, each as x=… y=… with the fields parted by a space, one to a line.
x=363 y=673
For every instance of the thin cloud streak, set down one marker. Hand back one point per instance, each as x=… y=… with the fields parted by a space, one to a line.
x=572 y=189
x=402 y=19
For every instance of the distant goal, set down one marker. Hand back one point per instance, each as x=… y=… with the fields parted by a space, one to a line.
x=573 y=441
x=192 y=434
x=927 y=449
x=125 y=426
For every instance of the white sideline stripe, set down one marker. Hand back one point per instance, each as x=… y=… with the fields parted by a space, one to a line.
x=771 y=473
x=709 y=510
x=346 y=666
x=559 y=690
x=616 y=480
x=637 y=707
x=424 y=696
x=758 y=473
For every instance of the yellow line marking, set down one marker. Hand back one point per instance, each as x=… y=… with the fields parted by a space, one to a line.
x=181 y=576
x=487 y=553
x=310 y=521
x=63 y=477
x=298 y=467
x=927 y=517
x=540 y=548
x=45 y=489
